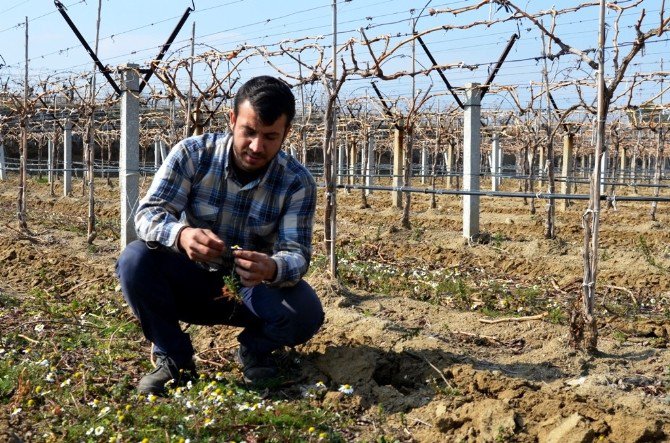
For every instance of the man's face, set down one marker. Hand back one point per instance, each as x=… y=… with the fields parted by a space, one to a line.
x=254 y=143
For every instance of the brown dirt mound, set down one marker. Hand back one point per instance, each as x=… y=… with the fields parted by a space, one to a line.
x=436 y=373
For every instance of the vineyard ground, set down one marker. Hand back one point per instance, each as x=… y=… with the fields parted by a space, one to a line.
x=404 y=322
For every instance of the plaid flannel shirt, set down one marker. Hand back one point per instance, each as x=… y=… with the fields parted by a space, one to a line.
x=195 y=187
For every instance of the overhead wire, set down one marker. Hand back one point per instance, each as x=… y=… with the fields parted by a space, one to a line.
x=246 y=27
x=376 y=25
x=46 y=14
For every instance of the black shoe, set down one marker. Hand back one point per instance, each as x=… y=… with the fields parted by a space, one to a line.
x=256 y=368
x=166 y=371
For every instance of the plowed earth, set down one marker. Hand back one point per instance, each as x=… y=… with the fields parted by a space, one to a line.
x=422 y=364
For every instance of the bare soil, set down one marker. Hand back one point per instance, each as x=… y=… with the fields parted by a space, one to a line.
x=427 y=368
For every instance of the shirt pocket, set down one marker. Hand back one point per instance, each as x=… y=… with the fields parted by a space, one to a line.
x=205 y=212
x=261 y=228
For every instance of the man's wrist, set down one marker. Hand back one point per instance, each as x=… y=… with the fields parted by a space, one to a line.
x=177 y=242
x=274 y=273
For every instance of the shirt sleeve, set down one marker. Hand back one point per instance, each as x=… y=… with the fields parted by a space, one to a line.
x=158 y=215
x=293 y=248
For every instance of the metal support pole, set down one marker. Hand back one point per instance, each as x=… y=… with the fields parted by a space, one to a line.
x=164 y=150
x=353 y=158
x=370 y=163
x=566 y=171
x=604 y=162
x=157 y=154
x=496 y=162
x=129 y=155
x=471 y=159
x=341 y=159
x=88 y=49
x=67 y=158
x=3 y=173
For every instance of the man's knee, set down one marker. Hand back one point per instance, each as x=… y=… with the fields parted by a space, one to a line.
x=134 y=267
x=299 y=329
x=311 y=317
x=310 y=329
x=130 y=258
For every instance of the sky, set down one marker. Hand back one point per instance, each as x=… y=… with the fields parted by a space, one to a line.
x=133 y=32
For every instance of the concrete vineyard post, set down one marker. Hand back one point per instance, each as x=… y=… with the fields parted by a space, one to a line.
x=341 y=159
x=157 y=154
x=398 y=160
x=67 y=158
x=353 y=157
x=129 y=153
x=471 y=159
x=370 y=164
x=604 y=162
x=424 y=165
x=566 y=171
x=3 y=172
x=496 y=162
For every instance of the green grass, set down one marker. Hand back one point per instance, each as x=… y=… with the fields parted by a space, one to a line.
x=497 y=239
x=68 y=372
x=649 y=254
x=556 y=316
x=453 y=287
x=620 y=336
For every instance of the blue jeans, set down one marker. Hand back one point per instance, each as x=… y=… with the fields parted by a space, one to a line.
x=163 y=287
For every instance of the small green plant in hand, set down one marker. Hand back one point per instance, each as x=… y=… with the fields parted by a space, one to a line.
x=231 y=285
x=231 y=282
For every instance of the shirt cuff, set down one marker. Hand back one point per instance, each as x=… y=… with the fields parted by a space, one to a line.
x=174 y=236
x=280 y=271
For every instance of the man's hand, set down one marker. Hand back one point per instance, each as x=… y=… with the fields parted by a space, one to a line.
x=254 y=267
x=200 y=244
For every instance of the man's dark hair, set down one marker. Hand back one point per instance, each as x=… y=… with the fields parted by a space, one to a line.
x=270 y=97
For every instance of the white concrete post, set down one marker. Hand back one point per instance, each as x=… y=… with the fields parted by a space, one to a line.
x=3 y=172
x=341 y=160
x=353 y=156
x=471 y=159
x=164 y=151
x=604 y=163
x=496 y=162
x=157 y=154
x=67 y=158
x=370 y=164
x=398 y=180
x=129 y=155
x=541 y=167
x=566 y=171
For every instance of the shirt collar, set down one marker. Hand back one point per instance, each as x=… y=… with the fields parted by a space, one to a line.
x=227 y=172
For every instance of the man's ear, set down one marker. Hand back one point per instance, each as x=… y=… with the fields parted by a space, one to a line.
x=233 y=118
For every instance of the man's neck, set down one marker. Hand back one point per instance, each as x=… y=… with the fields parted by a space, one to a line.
x=245 y=177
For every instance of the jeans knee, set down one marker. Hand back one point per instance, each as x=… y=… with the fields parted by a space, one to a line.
x=129 y=260
x=300 y=330
x=133 y=268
